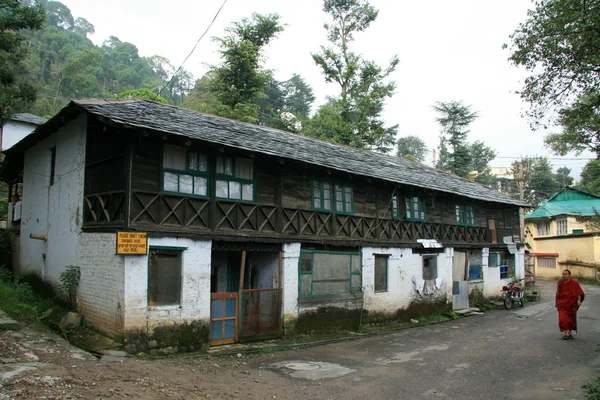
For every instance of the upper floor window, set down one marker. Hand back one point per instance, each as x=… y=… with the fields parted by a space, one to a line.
x=543 y=228
x=561 y=227
x=235 y=178
x=185 y=171
x=395 y=207
x=415 y=209
x=344 y=199
x=508 y=219
x=465 y=215
x=323 y=196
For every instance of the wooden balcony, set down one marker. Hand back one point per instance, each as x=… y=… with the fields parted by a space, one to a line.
x=161 y=212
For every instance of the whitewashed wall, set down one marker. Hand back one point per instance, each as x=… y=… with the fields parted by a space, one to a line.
x=403 y=265
x=492 y=284
x=195 y=288
x=291 y=258
x=54 y=210
x=14 y=131
x=101 y=293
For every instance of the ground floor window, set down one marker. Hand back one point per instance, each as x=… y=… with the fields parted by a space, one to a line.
x=381 y=272
x=328 y=272
x=430 y=267
x=164 y=277
x=547 y=262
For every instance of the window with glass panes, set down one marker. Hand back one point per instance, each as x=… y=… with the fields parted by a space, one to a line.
x=344 y=199
x=321 y=195
x=415 y=209
x=185 y=171
x=561 y=227
x=395 y=207
x=543 y=228
x=235 y=178
x=465 y=215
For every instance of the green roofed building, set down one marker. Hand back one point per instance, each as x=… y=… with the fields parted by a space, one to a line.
x=562 y=234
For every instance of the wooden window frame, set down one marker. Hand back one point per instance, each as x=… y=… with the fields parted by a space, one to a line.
x=396 y=207
x=318 y=185
x=546 y=258
x=546 y=230
x=508 y=220
x=186 y=171
x=232 y=178
x=559 y=223
x=301 y=273
x=387 y=269
x=465 y=216
x=173 y=250
x=432 y=257
x=344 y=188
x=409 y=202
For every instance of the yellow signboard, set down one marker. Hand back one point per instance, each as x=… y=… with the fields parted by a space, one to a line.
x=132 y=243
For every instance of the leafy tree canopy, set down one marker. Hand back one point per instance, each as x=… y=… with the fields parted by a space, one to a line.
x=363 y=84
x=539 y=181
x=142 y=93
x=15 y=92
x=240 y=79
x=590 y=177
x=454 y=118
x=558 y=44
x=412 y=148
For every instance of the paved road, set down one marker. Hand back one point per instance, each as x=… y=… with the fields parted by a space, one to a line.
x=517 y=354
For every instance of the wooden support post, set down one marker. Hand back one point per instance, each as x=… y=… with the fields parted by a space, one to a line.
x=242 y=270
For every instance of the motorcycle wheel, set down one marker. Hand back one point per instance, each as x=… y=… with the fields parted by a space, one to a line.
x=507 y=302
x=521 y=301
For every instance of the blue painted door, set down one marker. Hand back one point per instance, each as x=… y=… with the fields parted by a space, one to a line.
x=224 y=318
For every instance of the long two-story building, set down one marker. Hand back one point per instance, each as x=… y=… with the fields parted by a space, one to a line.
x=251 y=232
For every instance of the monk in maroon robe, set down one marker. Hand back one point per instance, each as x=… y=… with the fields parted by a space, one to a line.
x=569 y=296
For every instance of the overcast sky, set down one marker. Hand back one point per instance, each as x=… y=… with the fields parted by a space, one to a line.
x=448 y=50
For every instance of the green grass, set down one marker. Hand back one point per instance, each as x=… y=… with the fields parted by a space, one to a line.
x=21 y=303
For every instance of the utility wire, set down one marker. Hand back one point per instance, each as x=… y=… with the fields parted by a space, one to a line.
x=184 y=61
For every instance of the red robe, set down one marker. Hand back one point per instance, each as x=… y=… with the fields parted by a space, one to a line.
x=567 y=304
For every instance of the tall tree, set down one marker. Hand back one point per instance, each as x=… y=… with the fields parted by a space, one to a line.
x=240 y=78
x=362 y=83
x=15 y=93
x=580 y=124
x=412 y=148
x=298 y=96
x=454 y=118
x=83 y=27
x=481 y=156
x=558 y=44
x=590 y=177
x=563 y=177
x=539 y=182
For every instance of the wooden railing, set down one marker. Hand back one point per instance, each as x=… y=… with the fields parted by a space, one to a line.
x=193 y=214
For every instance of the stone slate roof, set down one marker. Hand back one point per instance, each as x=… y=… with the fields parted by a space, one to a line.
x=259 y=139
x=29 y=118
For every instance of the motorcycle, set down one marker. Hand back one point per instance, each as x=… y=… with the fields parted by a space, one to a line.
x=512 y=293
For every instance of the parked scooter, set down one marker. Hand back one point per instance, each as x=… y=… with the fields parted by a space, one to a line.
x=512 y=293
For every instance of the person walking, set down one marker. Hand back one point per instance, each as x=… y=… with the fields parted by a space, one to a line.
x=569 y=297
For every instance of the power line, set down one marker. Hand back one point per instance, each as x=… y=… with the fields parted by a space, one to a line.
x=184 y=61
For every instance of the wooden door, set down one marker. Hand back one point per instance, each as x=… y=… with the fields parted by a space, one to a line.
x=224 y=318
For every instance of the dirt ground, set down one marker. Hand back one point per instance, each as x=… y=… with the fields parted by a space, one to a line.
x=38 y=364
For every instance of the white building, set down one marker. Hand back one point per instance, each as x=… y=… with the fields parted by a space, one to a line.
x=191 y=229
